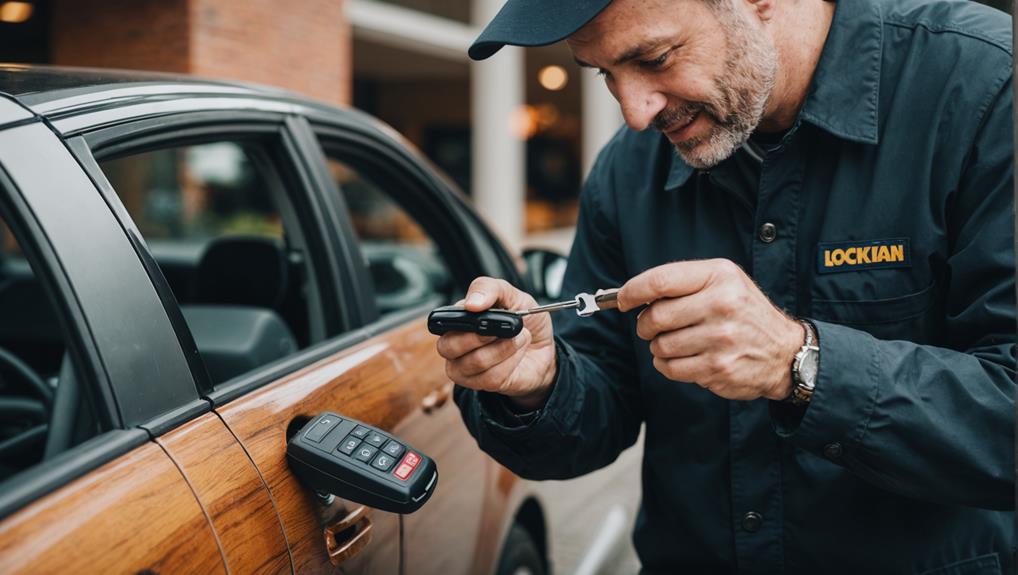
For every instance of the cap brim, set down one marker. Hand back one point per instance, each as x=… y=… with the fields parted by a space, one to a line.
x=534 y=23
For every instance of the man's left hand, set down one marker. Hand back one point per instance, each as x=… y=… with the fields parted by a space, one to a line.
x=709 y=324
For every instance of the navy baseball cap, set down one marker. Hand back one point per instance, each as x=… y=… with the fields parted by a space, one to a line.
x=534 y=23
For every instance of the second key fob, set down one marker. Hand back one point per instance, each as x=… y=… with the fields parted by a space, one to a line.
x=497 y=322
x=347 y=458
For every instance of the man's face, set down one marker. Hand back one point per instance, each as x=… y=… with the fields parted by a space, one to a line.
x=701 y=75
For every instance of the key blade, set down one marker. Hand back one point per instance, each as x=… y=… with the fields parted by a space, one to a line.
x=570 y=304
x=607 y=298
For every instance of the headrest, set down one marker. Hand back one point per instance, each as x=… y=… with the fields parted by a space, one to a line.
x=233 y=340
x=242 y=270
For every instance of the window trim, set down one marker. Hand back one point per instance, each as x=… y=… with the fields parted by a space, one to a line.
x=46 y=265
x=454 y=228
x=188 y=347
x=113 y=440
x=208 y=127
x=493 y=256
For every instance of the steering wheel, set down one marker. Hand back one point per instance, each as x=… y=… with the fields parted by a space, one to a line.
x=36 y=410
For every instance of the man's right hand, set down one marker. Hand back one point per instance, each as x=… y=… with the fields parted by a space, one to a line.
x=522 y=368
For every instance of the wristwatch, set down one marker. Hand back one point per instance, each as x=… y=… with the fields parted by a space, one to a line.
x=805 y=367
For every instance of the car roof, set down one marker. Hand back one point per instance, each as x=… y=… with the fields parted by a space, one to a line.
x=55 y=91
x=20 y=80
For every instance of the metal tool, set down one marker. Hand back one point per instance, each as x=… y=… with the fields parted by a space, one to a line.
x=585 y=304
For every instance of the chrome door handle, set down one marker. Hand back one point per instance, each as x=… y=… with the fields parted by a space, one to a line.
x=437 y=398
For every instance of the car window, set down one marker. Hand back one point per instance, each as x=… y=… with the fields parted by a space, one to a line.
x=218 y=221
x=405 y=265
x=45 y=408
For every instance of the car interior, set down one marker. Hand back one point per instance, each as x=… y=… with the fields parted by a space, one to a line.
x=44 y=409
x=405 y=266
x=212 y=219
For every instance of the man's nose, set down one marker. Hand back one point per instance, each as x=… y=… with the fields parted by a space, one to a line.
x=640 y=103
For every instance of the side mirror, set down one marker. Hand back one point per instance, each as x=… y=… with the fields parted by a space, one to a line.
x=544 y=273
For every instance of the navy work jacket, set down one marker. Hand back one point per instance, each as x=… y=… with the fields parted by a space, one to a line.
x=886 y=217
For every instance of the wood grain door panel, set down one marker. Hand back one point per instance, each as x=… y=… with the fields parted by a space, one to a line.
x=135 y=514
x=390 y=382
x=441 y=536
x=379 y=382
x=233 y=495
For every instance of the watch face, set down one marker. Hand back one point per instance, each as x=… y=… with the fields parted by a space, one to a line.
x=808 y=367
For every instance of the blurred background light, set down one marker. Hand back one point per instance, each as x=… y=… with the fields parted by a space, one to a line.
x=525 y=122
x=15 y=12
x=553 y=78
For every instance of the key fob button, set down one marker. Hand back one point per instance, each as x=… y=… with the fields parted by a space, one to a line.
x=365 y=452
x=360 y=431
x=323 y=426
x=393 y=449
x=348 y=445
x=383 y=462
x=375 y=438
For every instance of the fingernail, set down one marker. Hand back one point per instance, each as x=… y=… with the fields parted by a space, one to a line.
x=475 y=299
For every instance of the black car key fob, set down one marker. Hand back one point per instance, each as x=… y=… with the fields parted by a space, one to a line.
x=497 y=322
x=338 y=455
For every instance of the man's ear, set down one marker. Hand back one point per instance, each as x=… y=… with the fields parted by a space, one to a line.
x=764 y=8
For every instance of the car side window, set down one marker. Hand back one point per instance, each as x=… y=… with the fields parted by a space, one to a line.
x=45 y=408
x=218 y=222
x=405 y=265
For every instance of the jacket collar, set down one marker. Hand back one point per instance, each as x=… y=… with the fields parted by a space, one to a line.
x=845 y=96
x=845 y=93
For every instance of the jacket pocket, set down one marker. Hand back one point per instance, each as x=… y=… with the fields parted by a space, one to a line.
x=874 y=311
x=987 y=564
x=905 y=316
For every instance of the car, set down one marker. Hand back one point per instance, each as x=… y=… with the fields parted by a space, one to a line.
x=192 y=271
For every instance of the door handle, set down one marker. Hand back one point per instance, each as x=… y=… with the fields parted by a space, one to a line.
x=437 y=398
x=348 y=536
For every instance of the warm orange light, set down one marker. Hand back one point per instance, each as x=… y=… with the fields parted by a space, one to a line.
x=553 y=78
x=15 y=12
x=523 y=123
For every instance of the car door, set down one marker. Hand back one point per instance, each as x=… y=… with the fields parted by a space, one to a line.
x=412 y=247
x=84 y=489
x=219 y=199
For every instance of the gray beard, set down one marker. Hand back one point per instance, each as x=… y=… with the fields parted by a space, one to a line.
x=745 y=88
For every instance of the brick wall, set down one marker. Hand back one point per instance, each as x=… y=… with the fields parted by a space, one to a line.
x=301 y=46
x=131 y=34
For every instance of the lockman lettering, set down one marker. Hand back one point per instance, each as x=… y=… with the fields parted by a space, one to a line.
x=853 y=256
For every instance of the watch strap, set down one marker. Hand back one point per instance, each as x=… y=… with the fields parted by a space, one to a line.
x=802 y=391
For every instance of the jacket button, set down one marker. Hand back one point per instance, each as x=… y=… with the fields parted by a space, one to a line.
x=768 y=232
x=832 y=451
x=752 y=521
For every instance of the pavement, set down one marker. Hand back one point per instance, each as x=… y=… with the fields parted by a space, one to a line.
x=591 y=518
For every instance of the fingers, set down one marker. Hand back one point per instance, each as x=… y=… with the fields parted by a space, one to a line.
x=490 y=367
x=671 y=314
x=456 y=344
x=673 y=281
x=686 y=342
x=484 y=358
x=485 y=293
x=688 y=369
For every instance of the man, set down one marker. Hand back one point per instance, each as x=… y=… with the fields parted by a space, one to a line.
x=810 y=216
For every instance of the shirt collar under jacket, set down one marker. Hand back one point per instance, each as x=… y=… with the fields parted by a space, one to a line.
x=844 y=97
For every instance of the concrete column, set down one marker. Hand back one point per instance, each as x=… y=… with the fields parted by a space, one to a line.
x=499 y=161
x=602 y=116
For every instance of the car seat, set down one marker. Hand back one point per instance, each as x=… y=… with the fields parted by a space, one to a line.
x=242 y=270
x=240 y=283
